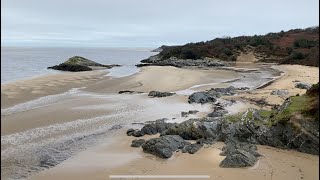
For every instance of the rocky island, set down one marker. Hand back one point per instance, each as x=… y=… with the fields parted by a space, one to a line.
x=78 y=63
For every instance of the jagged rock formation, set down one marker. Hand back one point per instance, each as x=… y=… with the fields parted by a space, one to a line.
x=164 y=146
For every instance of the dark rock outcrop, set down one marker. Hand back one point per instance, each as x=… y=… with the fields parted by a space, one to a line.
x=210 y=96
x=137 y=142
x=70 y=67
x=164 y=146
x=298 y=133
x=172 y=61
x=239 y=154
x=302 y=85
x=192 y=148
x=160 y=94
x=77 y=63
x=194 y=129
x=152 y=128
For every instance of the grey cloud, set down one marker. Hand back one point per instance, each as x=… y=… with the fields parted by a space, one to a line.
x=146 y=23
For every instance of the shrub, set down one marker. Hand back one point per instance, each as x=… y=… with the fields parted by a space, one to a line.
x=304 y=43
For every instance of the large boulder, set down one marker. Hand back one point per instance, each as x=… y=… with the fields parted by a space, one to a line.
x=160 y=94
x=164 y=146
x=194 y=129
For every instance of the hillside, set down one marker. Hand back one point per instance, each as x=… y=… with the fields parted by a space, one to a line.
x=298 y=46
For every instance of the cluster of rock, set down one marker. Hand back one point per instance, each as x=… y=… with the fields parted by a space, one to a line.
x=211 y=95
x=78 y=63
x=240 y=137
x=173 y=61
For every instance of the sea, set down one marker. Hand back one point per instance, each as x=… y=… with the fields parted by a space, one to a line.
x=27 y=62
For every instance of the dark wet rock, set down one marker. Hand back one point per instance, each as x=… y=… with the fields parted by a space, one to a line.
x=138 y=133
x=157 y=127
x=160 y=94
x=130 y=131
x=70 y=67
x=129 y=92
x=302 y=85
x=173 y=61
x=164 y=146
x=137 y=142
x=194 y=129
x=280 y=92
x=151 y=128
x=77 y=63
x=192 y=148
x=210 y=96
x=239 y=154
x=185 y=114
x=202 y=97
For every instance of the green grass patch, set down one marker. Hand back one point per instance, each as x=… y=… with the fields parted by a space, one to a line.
x=298 y=105
x=265 y=114
x=233 y=118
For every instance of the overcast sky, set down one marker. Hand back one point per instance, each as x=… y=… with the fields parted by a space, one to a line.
x=146 y=23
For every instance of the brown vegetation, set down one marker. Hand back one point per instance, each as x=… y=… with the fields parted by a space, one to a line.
x=298 y=46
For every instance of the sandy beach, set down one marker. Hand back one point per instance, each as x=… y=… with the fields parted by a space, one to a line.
x=119 y=159
x=41 y=116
